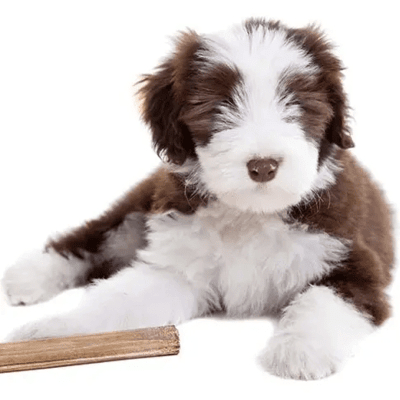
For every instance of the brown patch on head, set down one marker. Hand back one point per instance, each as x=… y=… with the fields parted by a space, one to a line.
x=319 y=96
x=180 y=101
x=212 y=95
x=303 y=91
x=328 y=83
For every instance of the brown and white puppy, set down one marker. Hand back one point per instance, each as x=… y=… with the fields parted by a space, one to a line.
x=258 y=208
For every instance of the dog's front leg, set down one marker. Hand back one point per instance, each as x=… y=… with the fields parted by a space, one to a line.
x=315 y=335
x=136 y=297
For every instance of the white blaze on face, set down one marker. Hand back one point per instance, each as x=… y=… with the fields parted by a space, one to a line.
x=261 y=124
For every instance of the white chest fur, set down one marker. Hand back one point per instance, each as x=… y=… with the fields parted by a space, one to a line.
x=253 y=263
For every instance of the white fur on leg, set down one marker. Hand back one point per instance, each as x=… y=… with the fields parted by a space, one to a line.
x=315 y=336
x=136 y=297
x=40 y=275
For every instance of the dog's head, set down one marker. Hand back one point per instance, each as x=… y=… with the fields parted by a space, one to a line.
x=254 y=113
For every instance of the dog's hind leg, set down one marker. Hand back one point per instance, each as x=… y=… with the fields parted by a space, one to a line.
x=39 y=275
x=100 y=247
x=95 y=250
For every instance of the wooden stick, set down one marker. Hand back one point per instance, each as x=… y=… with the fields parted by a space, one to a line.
x=75 y=350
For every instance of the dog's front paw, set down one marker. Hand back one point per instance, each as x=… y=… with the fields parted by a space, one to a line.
x=36 y=277
x=290 y=356
x=42 y=329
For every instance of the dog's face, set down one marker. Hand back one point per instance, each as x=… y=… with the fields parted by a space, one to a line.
x=252 y=114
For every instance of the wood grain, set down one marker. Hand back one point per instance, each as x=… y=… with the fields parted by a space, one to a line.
x=75 y=350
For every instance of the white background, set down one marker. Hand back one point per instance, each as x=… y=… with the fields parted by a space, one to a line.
x=71 y=142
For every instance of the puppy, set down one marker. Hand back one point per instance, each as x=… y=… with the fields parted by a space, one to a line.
x=258 y=208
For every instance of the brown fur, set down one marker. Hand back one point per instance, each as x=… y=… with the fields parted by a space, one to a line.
x=180 y=108
x=324 y=94
x=354 y=209
x=163 y=96
x=162 y=191
x=181 y=105
x=314 y=43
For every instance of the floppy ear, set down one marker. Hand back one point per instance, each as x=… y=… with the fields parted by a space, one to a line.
x=313 y=41
x=337 y=130
x=163 y=96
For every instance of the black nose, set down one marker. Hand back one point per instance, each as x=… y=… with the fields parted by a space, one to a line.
x=262 y=169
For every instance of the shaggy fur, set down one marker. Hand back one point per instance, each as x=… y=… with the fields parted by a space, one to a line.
x=258 y=208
